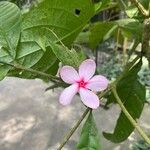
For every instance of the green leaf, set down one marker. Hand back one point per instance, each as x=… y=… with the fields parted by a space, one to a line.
x=50 y=22
x=82 y=38
x=47 y=63
x=3 y=71
x=89 y=139
x=100 y=32
x=65 y=19
x=28 y=53
x=10 y=18
x=3 y=68
x=130 y=28
x=123 y=4
x=132 y=11
x=104 y=5
x=66 y=56
x=132 y=93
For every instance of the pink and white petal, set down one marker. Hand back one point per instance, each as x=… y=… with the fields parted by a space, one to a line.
x=98 y=83
x=89 y=98
x=87 y=69
x=68 y=74
x=68 y=94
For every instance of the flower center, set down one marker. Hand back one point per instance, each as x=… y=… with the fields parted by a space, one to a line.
x=82 y=84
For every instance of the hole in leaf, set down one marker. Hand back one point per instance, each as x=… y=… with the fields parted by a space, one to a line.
x=77 y=11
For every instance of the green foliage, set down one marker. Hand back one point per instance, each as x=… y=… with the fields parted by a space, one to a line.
x=100 y=32
x=104 y=5
x=42 y=26
x=48 y=63
x=10 y=19
x=3 y=71
x=43 y=35
x=65 y=19
x=132 y=94
x=131 y=28
x=89 y=139
x=66 y=56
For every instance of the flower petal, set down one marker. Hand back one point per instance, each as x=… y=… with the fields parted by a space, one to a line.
x=97 y=83
x=87 y=69
x=69 y=74
x=89 y=98
x=68 y=94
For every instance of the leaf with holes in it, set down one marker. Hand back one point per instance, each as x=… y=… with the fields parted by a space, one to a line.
x=66 y=19
x=50 y=21
x=132 y=93
x=89 y=139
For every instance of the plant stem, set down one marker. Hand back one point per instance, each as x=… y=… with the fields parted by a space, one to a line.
x=56 y=85
x=20 y=67
x=104 y=92
x=73 y=129
x=140 y=7
x=133 y=122
x=76 y=125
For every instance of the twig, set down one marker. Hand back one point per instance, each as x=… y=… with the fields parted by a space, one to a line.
x=133 y=122
x=73 y=129
x=20 y=67
x=140 y=7
x=56 y=85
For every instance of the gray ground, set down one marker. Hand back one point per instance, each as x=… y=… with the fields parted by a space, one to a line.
x=32 y=119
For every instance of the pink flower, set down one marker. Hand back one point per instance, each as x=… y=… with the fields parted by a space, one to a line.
x=83 y=83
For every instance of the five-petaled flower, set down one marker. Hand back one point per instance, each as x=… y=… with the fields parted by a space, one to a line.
x=83 y=83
